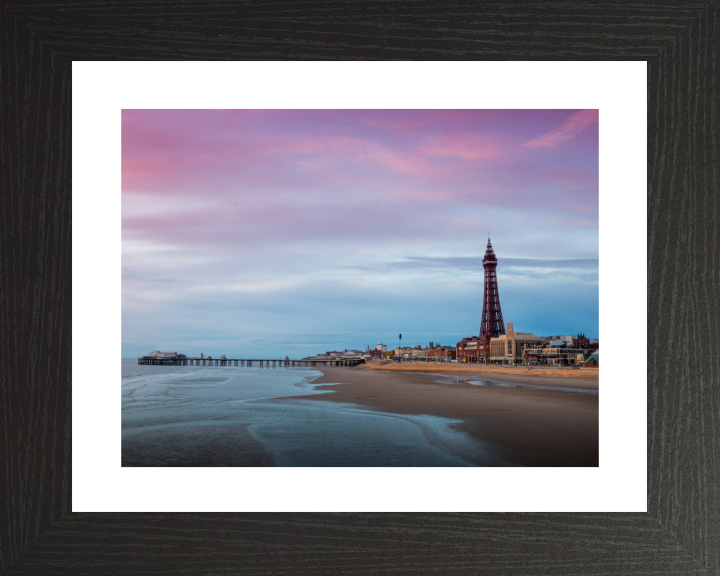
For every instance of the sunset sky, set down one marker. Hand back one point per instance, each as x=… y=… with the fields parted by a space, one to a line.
x=291 y=232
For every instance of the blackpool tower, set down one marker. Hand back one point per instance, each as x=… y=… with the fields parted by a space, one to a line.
x=492 y=324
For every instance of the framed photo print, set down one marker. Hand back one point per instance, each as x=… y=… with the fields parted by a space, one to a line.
x=266 y=314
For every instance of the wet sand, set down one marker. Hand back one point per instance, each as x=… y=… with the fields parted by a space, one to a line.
x=523 y=426
x=518 y=379
x=197 y=444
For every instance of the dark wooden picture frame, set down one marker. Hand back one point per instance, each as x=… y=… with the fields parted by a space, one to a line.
x=680 y=533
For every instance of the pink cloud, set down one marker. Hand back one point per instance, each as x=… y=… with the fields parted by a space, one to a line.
x=465 y=146
x=304 y=161
x=407 y=121
x=334 y=151
x=568 y=129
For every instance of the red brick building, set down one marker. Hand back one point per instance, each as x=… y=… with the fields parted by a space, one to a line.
x=439 y=353
x=475 y=349
x=580 y=341
x=583 y=342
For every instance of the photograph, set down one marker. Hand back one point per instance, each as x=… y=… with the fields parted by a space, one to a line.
x=360 y=288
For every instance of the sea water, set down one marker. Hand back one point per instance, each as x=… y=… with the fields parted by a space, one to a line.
x=245 y=416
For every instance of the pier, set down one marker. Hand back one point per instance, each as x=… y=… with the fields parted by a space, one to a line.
x=243 y=362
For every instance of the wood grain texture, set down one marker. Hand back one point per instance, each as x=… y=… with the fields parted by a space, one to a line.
x=681 y=531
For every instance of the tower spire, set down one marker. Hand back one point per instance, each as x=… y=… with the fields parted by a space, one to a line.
x=492 y=324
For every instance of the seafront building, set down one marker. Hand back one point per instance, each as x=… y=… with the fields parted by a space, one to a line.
x=510 y=348
x=376 y=352
x=475 y=349
x=439 y=353
x=559 y=340
x=582 y=341
x=553 y=355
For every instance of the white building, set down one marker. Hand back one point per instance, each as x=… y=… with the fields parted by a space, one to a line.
x=559 y=340
x=158 y=354
x=510 y=347
x=381 y=347
x=400 y=351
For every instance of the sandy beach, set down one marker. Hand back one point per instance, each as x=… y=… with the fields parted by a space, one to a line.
x=519 y=426
x=447 y=367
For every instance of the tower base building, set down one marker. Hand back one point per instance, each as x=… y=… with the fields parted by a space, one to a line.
x=510 y=348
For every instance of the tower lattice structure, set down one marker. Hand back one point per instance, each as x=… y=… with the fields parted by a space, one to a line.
x=492 y=324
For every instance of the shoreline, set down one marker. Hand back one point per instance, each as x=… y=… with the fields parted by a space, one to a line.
x=522 y=426
x=534 y=371
x=510 y=379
